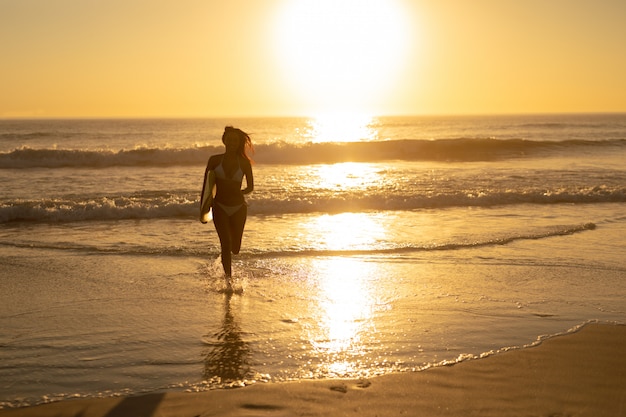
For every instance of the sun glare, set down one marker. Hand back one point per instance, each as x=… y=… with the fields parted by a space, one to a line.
x=347 y=231
x=347 y=303
x=348 y=177
x=341 y=55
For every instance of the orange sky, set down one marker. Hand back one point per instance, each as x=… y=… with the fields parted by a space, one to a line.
x=213 y=58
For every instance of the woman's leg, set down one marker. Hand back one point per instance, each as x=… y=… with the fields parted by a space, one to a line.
x=222 y=226
x=237 y=223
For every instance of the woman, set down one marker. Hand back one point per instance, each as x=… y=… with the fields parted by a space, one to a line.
x=229 y=206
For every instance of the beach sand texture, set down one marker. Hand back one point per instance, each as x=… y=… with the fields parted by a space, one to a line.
x=579 y=374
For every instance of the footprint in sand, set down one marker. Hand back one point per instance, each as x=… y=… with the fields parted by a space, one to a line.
x=363 y=383
x=341 y=387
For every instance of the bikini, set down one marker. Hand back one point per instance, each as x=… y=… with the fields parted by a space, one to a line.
x=237 y=177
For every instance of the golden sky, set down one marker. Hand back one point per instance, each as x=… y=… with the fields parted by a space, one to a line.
x=214 y=58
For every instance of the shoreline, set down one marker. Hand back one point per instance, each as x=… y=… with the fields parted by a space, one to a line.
x=582 y=373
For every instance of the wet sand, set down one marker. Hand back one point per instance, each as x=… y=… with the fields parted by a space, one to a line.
x=579 y=374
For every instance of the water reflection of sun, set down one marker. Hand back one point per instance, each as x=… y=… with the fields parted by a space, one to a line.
x=343 y=186
x=346 y=305
x=344 y=176
x=346 y=232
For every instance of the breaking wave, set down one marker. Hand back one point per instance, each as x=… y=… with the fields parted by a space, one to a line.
x=458 y=149
x=184 y=205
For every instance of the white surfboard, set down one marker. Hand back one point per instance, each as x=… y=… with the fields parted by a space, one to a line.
x=208 y=192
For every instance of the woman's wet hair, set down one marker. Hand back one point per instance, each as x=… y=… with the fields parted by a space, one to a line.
x=245 y=143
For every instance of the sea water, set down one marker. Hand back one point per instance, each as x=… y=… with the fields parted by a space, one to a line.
x=373 y=245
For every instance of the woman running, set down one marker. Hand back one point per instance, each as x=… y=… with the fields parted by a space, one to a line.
x=229 y=206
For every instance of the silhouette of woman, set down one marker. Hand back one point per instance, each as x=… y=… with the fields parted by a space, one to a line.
x=229 y=206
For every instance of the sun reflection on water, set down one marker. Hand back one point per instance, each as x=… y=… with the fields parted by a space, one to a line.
x=346 y=306
x=346 y=176
x=348 y=293
x=346 y=232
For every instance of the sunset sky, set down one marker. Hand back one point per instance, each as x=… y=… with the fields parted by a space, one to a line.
x=214 y=58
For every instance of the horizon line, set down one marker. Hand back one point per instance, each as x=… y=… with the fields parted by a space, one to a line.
x=302 y=116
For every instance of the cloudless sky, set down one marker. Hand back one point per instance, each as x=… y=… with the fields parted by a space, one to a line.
x=205 y=58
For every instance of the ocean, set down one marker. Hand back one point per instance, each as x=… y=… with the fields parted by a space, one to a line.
x=373 y=245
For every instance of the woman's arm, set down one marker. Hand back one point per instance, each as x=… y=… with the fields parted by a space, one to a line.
x=247 y=172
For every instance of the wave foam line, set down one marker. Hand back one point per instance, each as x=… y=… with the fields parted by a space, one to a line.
x=102 y=209
x=186 y=205
x=555 y=231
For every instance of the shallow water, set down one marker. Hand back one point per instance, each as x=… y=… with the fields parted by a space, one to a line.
x=93 y=323
x=111 y=286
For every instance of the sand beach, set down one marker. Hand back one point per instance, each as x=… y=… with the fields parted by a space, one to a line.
x=578 y=374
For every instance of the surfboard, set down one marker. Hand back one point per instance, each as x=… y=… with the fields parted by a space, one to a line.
x=206 y=200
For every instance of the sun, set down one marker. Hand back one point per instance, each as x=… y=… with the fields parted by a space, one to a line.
x=341 y=55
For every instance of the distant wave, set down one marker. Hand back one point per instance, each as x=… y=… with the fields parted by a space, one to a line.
x=166 y=205
x=571 y=125
x=454 y=150
x=457 y=149
x=19 y=137
x=26 y=157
